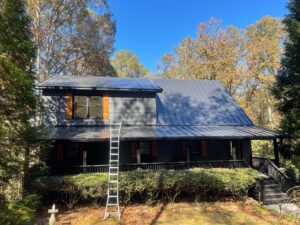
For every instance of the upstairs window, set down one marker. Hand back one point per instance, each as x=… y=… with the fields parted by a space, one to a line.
x=87 y=107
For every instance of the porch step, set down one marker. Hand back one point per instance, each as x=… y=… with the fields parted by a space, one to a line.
x=272 y=193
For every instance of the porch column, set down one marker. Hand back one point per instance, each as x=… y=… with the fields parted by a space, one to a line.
x=84 y=157
x=232 y=151
x=276 y=154
x=138 y=156
x=188 y=159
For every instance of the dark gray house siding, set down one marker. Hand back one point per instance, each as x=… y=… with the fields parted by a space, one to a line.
x=132 y=108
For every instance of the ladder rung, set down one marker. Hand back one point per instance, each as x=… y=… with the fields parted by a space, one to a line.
x=112 y=204
x=114 y=147
x=112 y=196
x=113 y=167
x=113 y=181
x=114 y=160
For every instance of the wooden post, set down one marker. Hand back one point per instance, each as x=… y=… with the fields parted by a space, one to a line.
x=138 y=156
x=188 y=159
x=276 y=154
x=84 y=157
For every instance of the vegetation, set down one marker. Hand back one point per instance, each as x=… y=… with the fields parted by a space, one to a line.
x=20 y=145
x=246 y=62
x=287 y=89
x=151 y=186
x=72 y=37
x=20 y=212
x=127 y=64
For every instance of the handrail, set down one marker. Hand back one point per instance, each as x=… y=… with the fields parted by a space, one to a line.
x=267 y=166
x=154 y=166
x=277 y=169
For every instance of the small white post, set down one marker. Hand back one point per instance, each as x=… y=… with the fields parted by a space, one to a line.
x=52 y=211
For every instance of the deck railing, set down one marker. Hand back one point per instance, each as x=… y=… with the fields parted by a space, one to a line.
x=268 y=167
x=151 y=166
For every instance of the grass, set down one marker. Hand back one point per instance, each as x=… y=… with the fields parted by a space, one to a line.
x=247 y=212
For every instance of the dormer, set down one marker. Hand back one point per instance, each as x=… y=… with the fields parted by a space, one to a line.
x=94 y=100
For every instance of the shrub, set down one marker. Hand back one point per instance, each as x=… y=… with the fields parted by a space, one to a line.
x=148 y=185
x=19 y=212
x=293 y=172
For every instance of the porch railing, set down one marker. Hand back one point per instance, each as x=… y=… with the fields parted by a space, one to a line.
x=268 y=167
x=151 y=166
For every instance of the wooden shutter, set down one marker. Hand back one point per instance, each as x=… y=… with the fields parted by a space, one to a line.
x=154 y=149
x=59 y=151
x=204 y=148
x=133 y=150
x=69 y=106
x=105 y=107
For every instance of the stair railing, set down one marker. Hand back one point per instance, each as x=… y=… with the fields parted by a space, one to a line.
x=273 y=171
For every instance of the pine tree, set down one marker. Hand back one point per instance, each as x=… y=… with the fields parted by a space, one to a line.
x=287 y=89
x=17 y=98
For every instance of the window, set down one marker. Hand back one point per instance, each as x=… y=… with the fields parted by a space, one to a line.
x=87 y=107
x=198 y=148
x=195 y=147
x=145 y=149
x=72 y=151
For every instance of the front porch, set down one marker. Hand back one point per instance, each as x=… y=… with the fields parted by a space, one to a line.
x=88 y=157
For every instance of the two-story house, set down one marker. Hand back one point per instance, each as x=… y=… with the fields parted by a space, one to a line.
x=165 y=123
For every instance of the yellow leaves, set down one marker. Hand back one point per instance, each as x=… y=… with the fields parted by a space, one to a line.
x=127 y=64
x=246 y=62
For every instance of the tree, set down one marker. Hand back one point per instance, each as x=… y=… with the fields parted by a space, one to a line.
x=72 y=37
x=246 y=62
x=214 y=54
x=263 y=48
x=127 y=64
x=17 y=99
x=287 y=89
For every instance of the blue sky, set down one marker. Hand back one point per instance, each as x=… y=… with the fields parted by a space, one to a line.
x=150 y=28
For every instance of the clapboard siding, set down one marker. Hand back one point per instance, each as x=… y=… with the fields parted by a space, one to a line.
x=131 y=108
x=134 y=109
x=54 y=110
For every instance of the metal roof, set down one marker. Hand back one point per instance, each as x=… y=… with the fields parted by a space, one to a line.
x=197 y=102
x=99 y=83
x=163 y=132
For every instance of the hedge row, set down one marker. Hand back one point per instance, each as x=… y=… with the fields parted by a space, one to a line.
x=150 y=186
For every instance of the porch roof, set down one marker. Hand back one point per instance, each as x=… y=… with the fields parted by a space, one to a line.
x=100 y=133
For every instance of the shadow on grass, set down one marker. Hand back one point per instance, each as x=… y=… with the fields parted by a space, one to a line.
x=158 y=214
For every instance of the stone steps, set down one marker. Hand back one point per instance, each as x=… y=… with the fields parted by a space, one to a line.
x=272 y=193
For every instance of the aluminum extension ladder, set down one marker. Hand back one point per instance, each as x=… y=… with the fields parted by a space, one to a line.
x=112 y=203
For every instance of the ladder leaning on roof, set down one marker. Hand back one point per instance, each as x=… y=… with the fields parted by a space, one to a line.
x=112 y=203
